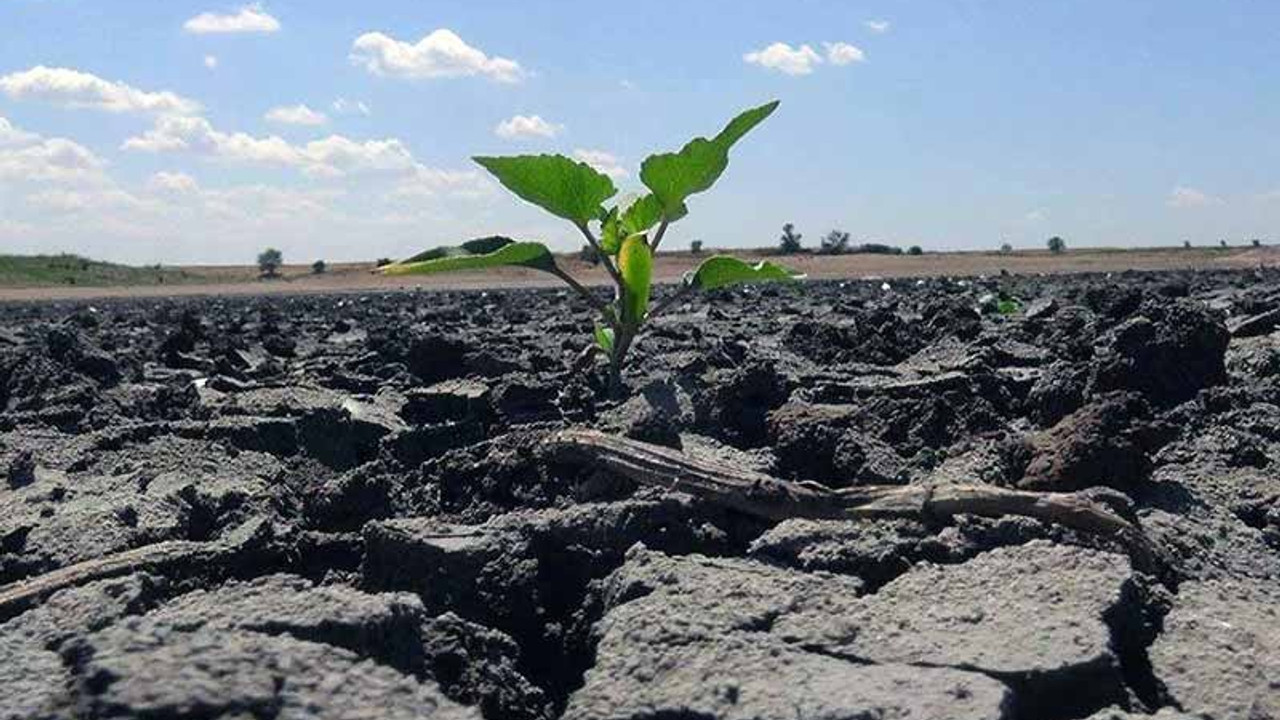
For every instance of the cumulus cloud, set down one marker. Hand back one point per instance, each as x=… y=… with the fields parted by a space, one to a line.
x=442 y=54
x=1189 y=197
x=878 y=27
x=526 y=126
x=296 y=115
x=330 y=157
x=842 y=53
x=28 y=157
x=343 y=106
x=785 y=59
x=248 y=19
x=603 y=161
x=425 y=182
x=178 y=183
x=75 y=89
x=11 y=135
x=211 y=62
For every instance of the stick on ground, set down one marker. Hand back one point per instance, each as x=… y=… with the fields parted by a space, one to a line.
x=773 y=499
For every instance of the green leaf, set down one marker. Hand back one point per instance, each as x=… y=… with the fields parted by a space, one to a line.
x=1008 y=306
x=642 y=214
x=635 y=265
x=722 y=271
x=478 y=246
x=563 y=187
x=604 y=338
x=673 y=177
x=448 y=259
x=611 y=233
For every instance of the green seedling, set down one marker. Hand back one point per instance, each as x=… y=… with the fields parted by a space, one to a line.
x=625 y=236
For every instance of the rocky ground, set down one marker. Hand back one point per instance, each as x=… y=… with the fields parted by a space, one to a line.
x=344 y=506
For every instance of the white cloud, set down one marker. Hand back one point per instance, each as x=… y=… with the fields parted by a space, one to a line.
x=28 y=157
x=330 y=157
x=1189 y=197
x=296 y=115
x=63 y=200
x=425 y=182
x=878 y=27
x=605 y=162
x=785 y=59
x=343 y=106
x=527 y=126
x=11 y=135
x=842 y=53
x=442 y=54
x=75 y=89
x=211 y=62
x=1035 y=216
x=177 y=183
x=248 y=19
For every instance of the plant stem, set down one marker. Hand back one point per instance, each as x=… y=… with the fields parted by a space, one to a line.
x=600 y=253
x=657 y=237
x=586 y=294
x=618 y=358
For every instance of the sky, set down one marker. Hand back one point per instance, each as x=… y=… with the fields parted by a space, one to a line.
x=201 y=131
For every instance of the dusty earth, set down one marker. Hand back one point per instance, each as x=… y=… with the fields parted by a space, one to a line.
x=343 y=506
x=669 y=267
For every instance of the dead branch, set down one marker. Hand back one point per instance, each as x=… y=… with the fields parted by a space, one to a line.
x=773 y=499
x=159 y=558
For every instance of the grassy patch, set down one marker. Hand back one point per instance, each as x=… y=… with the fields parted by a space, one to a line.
x=47 y=270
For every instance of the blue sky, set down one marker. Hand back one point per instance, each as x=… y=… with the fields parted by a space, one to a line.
x=144 y=132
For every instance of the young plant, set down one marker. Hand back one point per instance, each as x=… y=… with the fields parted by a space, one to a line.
x=629 y=233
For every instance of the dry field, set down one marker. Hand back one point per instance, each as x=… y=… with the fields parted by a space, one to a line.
x=356 y=277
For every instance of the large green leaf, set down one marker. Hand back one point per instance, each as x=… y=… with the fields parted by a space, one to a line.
x=673 y=177
x=722 y=271
x=448 y=259
x=478 y=246
x=635 y=265
x=567 y=188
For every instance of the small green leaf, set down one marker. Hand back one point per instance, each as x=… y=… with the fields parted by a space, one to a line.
x=563 y=187
x=635 y=264
x=611 y=232
x=1008 y=306
x=604 y=338
x=642 y=214
x=673 y=177
x=448 y=259
x=722 y=271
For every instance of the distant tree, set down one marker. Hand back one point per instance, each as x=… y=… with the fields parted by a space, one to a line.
x=1057 y=245
x=383 y=261
x=1186 y=244
x=1223 y=243
x=1006 y=249
x=835 y=243
x=319 y=267
x=1257 y=242
x=588 y=254
x=695 y=247
x=915 y=250
x=269 y=262
x=789 y=243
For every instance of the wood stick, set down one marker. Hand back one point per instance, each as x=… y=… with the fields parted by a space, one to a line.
x=158 y=557
x=769 y=498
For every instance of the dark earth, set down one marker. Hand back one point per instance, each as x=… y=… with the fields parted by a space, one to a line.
x=382 y=532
